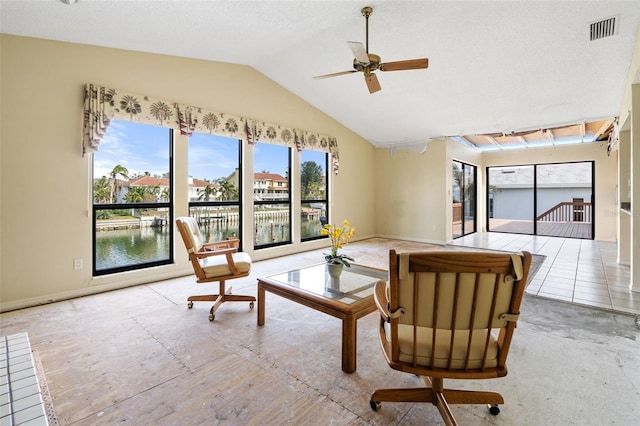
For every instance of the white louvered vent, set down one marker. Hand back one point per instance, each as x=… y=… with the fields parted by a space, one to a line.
x=603 y=28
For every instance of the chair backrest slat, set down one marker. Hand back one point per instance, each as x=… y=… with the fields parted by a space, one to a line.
x=472 y=319
x=436 y=300
x=456 y=296
x=416 y=295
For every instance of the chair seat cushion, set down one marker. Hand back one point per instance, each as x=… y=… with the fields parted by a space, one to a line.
x=443 y=342
x=216 y=266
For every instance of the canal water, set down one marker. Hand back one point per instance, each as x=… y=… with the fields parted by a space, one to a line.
x=134 y=246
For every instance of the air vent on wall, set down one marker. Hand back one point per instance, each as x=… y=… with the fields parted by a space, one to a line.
x=603 y=28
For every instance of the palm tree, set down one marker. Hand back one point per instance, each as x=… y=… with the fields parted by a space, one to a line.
x=101 y=190
x=118 y=170
x=135 y=194
x=164 y=195
x=227 y=190
x=205 y=194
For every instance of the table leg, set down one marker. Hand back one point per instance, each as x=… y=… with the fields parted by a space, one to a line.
x=261 y=295
x=349 y=334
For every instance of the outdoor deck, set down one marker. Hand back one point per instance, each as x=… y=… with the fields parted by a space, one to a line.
x=552 y=229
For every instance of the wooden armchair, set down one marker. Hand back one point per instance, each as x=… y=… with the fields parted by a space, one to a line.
x=214 y=262
x=449 y=315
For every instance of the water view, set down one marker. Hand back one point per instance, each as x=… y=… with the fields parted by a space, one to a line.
x=131 y=246
x=133 y=194
x=140 y=245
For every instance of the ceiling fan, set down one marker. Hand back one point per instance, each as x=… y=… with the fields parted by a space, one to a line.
x=366 y=62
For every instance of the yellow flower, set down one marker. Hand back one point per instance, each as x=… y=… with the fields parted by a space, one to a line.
x=339 y=236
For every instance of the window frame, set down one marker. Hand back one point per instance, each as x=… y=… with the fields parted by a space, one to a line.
x=169 y=205
x=325 y=200
x=283 y=201
x=225 y=203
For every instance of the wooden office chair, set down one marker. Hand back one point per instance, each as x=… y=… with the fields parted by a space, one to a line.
x=449 y=315
x=214 y=262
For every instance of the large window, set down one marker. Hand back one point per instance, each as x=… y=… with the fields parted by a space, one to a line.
x=313 y=193
x=132 y=198
x=215 y=185
x=271 y=195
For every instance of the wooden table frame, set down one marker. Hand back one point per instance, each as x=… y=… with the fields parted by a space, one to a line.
x=348 y=313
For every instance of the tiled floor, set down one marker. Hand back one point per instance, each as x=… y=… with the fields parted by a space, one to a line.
x=583 y=272
x=20 y=398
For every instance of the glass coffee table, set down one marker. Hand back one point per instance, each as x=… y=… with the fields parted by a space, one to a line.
x=348 y=297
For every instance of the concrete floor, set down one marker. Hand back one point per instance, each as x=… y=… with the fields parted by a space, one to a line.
x=139 y=356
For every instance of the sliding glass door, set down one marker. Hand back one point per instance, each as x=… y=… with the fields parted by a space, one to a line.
x=510 y=199
x=564 y=195
x=543 y=199
x=464 y=198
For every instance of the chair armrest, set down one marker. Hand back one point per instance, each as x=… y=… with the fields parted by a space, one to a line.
x=217 y=245
x=203 y=254
x=380 y=297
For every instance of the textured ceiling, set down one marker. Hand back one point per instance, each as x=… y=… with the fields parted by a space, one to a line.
x=497 y=67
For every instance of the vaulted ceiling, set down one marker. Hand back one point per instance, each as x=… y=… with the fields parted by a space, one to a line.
x=502 y=74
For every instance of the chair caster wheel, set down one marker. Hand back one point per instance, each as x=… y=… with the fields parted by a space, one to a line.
x=189 y=304
x=375 y=406
x=494 y=409
x=250 y=305
x=212 y=317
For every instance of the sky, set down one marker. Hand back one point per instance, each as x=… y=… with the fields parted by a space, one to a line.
x=144 y=148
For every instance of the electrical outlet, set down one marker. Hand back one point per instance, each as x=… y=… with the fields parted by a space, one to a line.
x=77 y=263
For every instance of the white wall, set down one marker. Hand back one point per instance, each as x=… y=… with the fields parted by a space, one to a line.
x=46 y=193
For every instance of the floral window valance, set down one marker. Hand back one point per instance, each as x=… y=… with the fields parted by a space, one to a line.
x=102 y=104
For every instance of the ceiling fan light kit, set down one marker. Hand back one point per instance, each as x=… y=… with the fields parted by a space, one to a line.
x=367 y=63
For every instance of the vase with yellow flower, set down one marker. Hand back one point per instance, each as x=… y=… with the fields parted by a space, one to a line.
x=339 y=236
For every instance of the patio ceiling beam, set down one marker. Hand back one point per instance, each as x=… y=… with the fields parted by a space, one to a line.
x=467 y=141
x=549 y=133
x=524 y=141
x=603 y=128
x=493 y=141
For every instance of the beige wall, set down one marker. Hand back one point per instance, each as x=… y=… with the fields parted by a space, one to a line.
x=45 y=182
x=411 y=201
x=413 y=195
x=635 y=188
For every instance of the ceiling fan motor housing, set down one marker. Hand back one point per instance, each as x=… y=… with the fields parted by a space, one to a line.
x=374 y=63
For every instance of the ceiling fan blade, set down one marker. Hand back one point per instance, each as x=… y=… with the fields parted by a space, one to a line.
x=335 y=74
x=411 y=64
x=372 y=83
x=359 y=52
